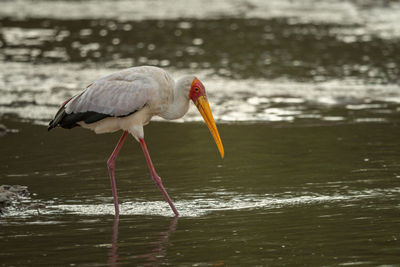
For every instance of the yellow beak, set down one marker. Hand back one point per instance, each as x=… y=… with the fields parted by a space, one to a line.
x=205 y=111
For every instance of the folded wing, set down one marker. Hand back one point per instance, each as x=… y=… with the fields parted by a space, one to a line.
x=116 y=95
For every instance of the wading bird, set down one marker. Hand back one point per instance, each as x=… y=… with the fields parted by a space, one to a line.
x=127 y=100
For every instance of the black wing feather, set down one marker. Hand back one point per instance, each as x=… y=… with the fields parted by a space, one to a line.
x=69 y=121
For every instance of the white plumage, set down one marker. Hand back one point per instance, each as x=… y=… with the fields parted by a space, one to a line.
x=127 y=100
x=131 y=97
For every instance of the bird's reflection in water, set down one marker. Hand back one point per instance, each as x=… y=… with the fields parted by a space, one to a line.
x=152 y=256
x=113 y=256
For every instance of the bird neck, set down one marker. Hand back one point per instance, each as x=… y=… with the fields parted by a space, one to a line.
x=179 y=104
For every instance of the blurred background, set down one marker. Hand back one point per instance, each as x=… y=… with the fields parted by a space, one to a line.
x=278 y=60
x=306 y=94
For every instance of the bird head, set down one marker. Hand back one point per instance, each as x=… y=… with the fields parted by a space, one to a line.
x=198 y=95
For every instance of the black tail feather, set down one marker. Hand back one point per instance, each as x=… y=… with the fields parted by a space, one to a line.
x=69 y=121
x=57 y=119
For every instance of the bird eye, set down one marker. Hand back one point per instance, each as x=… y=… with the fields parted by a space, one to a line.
x=196 y=89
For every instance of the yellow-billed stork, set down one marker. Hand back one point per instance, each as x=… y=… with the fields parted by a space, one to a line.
x=127 y=100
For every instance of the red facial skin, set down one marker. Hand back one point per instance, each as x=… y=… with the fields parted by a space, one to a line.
x=196 y=90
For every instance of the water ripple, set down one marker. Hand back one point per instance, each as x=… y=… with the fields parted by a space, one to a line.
x=35 y=92
x=374 y=17
x=229 y=201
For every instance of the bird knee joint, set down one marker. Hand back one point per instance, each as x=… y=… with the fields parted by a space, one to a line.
x=157 y=180
x=110 y=164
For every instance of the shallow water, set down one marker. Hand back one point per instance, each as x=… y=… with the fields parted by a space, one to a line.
x=284 y=194
x=307 y=99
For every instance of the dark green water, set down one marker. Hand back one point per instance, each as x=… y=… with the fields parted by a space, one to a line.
x=306 y=95
x=284 y=195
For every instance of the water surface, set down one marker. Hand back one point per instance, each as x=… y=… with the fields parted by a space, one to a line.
x=320 y=194
x=306 y=95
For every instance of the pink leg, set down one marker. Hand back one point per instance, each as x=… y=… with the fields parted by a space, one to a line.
x=111 y=165
x=155 y=176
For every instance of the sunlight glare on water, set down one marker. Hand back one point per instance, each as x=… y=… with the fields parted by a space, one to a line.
x=306 y=95
x=207 y=204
